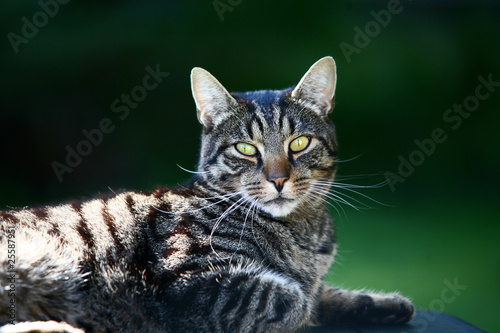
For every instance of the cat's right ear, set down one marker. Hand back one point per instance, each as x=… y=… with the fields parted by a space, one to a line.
x=213 y=101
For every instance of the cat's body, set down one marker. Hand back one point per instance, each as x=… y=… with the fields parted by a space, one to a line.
x=242 y=247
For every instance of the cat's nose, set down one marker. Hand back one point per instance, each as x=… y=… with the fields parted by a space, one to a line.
x=278 y=182
x=277 y=172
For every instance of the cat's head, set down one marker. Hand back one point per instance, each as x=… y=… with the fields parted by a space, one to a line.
x=271 y=148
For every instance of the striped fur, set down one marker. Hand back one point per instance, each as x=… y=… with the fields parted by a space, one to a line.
x=242 y=247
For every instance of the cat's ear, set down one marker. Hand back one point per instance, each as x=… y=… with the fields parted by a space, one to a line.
x=213 y=101
x=317 y=86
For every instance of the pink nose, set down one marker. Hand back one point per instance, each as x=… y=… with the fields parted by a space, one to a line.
x=278 y=182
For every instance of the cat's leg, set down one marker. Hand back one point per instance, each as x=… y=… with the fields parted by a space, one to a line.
x=239 y=301
x=341 y=307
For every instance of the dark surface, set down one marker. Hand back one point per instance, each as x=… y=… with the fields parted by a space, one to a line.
x=424 y=321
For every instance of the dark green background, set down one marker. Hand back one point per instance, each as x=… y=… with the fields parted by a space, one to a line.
x=440 y=224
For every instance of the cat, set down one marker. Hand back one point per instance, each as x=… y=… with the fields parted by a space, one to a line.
x=242 y=247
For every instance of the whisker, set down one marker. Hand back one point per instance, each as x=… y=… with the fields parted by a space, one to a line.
x=346 y=197
x=190 y=171
x=348 y=185
x=336 y=197
x=348 y=160
x=350 y=188
x=249 y=209
x=325 y=201
x=228 y=211
x=252 y=226
x=224 y=198
x=378 y=185
x=358 y=176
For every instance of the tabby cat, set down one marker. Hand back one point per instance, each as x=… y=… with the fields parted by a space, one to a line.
x=242 y=247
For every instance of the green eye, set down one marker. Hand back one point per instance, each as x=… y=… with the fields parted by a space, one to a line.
x=299 y=144
x=246 y=149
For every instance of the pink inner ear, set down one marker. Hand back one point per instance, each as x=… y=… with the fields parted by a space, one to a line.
x=203 y=117
x=327 y=106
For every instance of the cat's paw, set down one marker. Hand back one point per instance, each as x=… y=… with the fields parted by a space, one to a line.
x=358 y=307
x=388 y=309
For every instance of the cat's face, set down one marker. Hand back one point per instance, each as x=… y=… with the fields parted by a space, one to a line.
x=273 y=150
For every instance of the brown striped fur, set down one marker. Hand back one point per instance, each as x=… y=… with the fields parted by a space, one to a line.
x=243 y=247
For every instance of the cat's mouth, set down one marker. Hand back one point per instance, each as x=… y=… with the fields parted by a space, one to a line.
x=280 y=206
x=279 y=200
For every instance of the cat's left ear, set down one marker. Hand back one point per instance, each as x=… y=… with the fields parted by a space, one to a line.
x=317 y=86
x=213 y=101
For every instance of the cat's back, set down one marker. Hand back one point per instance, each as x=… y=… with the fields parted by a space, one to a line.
x=105 y=225
x=94 y=223
x=71 y=256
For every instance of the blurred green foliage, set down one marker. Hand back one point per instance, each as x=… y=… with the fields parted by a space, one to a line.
x=419 y=62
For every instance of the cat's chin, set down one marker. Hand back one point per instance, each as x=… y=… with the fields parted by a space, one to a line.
x=279 y=207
